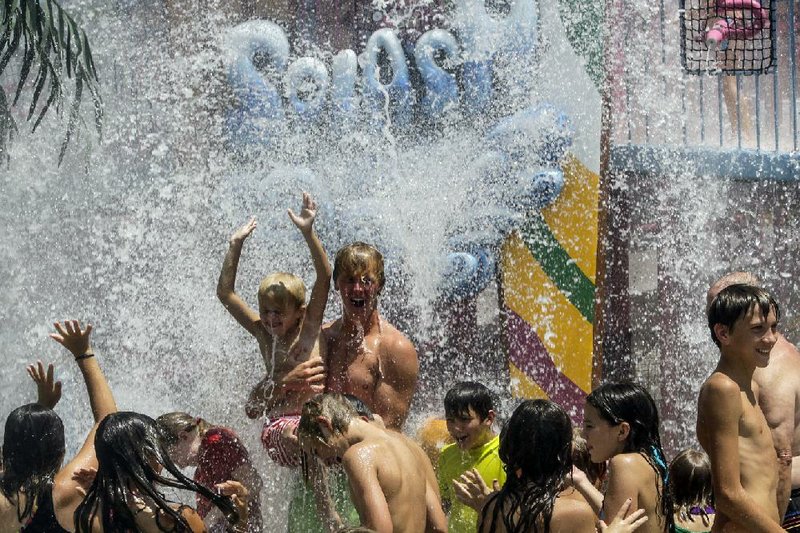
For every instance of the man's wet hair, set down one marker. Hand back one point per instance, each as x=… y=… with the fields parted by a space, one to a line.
x=465 y=395
x=735 y=301
x=359 y=258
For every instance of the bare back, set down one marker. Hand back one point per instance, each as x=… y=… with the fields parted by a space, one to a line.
x=630 y=475
x=8 y=516
x=570 y=515
x=388 y=484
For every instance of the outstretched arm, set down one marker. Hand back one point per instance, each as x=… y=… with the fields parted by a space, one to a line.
x=67 y=490
x=48 y=390
x=322 y=284
x=244 y=315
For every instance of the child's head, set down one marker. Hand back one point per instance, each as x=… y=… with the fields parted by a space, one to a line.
x=690 y=480
x=535 y=446
x=281 y=302
x=323 y=423
x=736 y=314
x=469 y=411
x=620 y=418
x=181 y=436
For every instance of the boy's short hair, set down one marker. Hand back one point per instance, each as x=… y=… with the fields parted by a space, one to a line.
x=358 y=258
x=334 y=407
x=282 y=289
x=465 y=395
x=734 y=302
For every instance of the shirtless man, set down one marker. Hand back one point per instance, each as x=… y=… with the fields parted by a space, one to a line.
x=730 y=425
x=390 y=481
x=367 y=357
x=779 y=399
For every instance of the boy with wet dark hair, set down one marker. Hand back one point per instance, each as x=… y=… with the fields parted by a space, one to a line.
x=469 y=412
x=731 y=427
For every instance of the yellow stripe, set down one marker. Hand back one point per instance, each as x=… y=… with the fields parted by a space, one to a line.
x=522 y=386
x=573 y=216
x=564 y=332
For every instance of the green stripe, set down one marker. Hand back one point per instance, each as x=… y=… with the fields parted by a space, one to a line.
x=558 y=265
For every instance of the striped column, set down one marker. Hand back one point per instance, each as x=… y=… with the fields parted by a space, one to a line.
x=548 y=281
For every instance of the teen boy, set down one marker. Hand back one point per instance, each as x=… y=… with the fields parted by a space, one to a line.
x=730 y=425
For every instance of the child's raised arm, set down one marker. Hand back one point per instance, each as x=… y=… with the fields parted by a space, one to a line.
x=322 y=284
x=67 y=490
x=244 y=315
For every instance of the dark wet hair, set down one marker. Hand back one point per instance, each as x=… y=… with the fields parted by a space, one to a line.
x=735 y=301
x=358 y=404
x=33 y=450
x=690 y=479
x=537 y=441
x=127 y=445
x=629 y=402
x=465 y=395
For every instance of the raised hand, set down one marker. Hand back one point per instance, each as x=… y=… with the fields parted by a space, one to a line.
x=623 y=524
x=244 y=232
x=73 y=338
x=305 y=220
x=49 y=391
x=471 y=490
x=84 y=477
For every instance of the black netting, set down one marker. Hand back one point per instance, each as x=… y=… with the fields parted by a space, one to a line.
x=727 y=36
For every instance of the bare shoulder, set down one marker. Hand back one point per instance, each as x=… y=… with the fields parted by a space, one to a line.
x=572 y=515
x=361 y=455
x=395 y=342
x=718 y=386
x=783 y=370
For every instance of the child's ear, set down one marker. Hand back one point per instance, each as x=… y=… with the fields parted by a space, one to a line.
x=624 y=431
x=721 y=331
x=489 y=417
x=325 y=424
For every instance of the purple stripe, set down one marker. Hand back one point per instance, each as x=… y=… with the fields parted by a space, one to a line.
x=527 y=352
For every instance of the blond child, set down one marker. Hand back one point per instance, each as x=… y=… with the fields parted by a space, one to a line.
x=287 y=331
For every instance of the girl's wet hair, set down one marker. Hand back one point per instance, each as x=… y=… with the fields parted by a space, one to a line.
x=735 y=301
x=33 y=450
x=631 y=403
x=536 y=442
x=129 y=448
x=465 y=395
x=690 y=480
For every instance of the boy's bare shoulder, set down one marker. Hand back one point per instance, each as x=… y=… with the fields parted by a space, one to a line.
x=719 y=383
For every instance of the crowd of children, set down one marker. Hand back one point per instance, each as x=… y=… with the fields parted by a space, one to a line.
x=335 y=397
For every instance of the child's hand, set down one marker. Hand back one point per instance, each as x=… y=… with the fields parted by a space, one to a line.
x=307 y=376
x=578 y=477
x=84 y=477
x=71 y=337
x=49 y=391
x=620 y=524
x=305 y=220
x=471 y=490
x=244 y=232
x=238 y=494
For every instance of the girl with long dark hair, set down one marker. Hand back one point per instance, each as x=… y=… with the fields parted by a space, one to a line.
x=621 y=427
x=126 y=493
x=36 y=493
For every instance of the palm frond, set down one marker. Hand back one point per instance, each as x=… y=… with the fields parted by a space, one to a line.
x=48 y=39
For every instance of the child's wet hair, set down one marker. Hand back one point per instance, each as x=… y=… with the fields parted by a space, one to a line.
x=465 y=395
x=690 y=480
x=358 y=404
x=335 y=407
x=735 y=301
x=173 y=424
x=631 y=403
x=283 y=290
x=359 y=258
x=536 y=442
